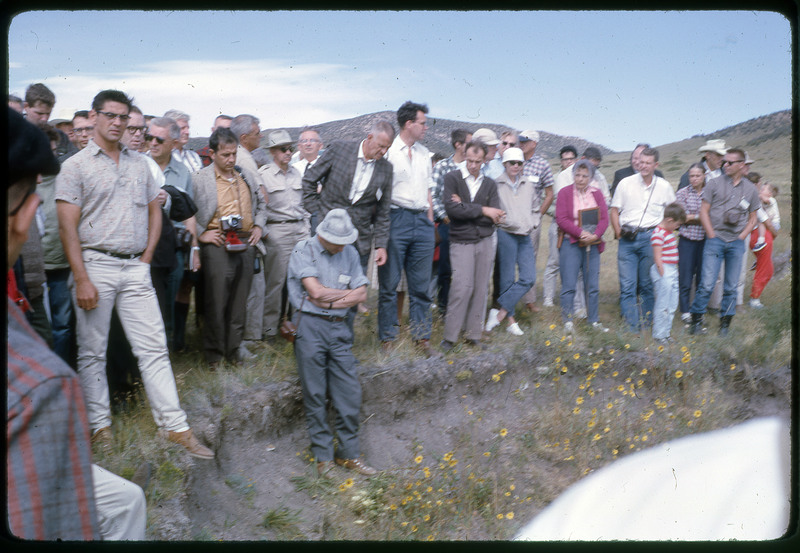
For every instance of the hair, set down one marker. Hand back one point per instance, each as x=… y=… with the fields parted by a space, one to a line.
x=675 y=212
x=584 y=164
x=221 y=137
x=754 y=177
x=47 y=128
x=243 y=124
x=697 y=165
x=15 y=99
x=652 y=152
x=592 y=153
x=39 y=93
x=773 y=188
x=167 y=123
x=135 y=109
x=382 y=127
x=111 y=96
x=308 y=129
x=569 y=148
x=508 y=133
x=223 y=117
x=737 y=151
x=458 y=136
x=81 y=113
x=644 y=145
x=436 y=158
x=408 y=112
x=477 y=145
x=177 y=115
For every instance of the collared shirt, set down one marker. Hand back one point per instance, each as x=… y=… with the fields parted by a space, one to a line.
x=517 y=200
x=233 y=198
x=341 y=271
x=285 y=191
x=669 y=245
x=691 y=201
x=364 y=169
x=631 y=197
x=473 y=183
x=245 y=160
x=113 y=198
x=189 y=158
x=441 y=168
x=537 y=170
x=582 y=200
x=735 y=200
x=48 y=455
x=303 y=164
x=176 y=174
x=412 y=180
x=494 y=168
x=52 y=248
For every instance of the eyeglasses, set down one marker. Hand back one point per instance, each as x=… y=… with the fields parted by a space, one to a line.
x=83 y=130
x=729 y=162
x=134 y=130
x=509 y=144
x=111 y=116
x=514 y=162
x=309 y=141
x=568 y=158
x=149 y=137
x=285 y=149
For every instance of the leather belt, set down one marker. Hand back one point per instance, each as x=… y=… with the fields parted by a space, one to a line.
x=118 y=255
x=331 y=318
x=287 y=221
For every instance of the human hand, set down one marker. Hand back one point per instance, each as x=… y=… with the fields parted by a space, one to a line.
x=212 y=237
x=86 y=294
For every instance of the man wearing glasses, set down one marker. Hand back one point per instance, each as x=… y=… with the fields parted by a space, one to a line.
x=135 y=131
x=728 y=214
x=110 y=222
x=82 y=129
x=309 y=146
x=287 y=224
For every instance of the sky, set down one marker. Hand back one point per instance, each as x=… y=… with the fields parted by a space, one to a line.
x=614 y=78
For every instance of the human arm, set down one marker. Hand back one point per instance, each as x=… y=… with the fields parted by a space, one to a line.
x=315 y=178
x=191 y=226
x=752 y=221
x=455 y=206
x=705 y=219
x=153 y=230
x=381 y=226
x=332 y=298
x=548 y=200
x=380 y=256
x=69 y=216
x=437 y=188
x=564 y=217
x=613 y=217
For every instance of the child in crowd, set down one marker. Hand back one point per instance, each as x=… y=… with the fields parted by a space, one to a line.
x=769 y=222
x=664 y=272
x=760 y=231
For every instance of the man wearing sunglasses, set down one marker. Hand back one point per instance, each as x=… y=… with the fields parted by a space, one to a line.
x=287 y=224
x=110 y=221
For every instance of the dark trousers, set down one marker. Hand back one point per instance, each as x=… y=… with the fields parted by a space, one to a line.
x=227 y=282
x=690 y=270
x=445 y=270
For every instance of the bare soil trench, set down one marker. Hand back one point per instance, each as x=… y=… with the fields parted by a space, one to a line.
x=427 y=407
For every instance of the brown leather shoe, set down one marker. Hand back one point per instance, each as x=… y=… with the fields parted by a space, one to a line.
x=357 y=465
x=324 y=468
x=102 y=438
x=532 y=307
x=425 y=347
x=189 y=442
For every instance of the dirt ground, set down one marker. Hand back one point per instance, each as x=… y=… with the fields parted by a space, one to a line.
x=260 y=440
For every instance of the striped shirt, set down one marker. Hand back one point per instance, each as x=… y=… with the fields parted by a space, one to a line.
x=669 y=246
x=691 y=201
x=48 y=457
x=441 y=168
x=537 y=170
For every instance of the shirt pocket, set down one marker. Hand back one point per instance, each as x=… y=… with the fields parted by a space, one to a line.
x=276 y=186
x=138 y=189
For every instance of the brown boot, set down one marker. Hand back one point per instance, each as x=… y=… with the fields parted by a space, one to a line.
x=189 y=442
x=357 y=465
x=425 y=347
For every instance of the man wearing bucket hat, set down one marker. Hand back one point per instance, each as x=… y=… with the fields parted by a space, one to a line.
x=325 y=280
x=712 y=151
x=287 y=224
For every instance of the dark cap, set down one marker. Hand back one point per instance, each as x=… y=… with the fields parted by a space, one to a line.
x=29 y=152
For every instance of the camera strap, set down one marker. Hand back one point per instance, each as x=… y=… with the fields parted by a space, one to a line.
x=652 y=188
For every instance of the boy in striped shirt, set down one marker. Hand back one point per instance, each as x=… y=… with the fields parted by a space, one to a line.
x=664 y=272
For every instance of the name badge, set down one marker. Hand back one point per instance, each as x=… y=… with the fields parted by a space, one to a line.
x=344 y=280
x=534 y=179
x=744 y=204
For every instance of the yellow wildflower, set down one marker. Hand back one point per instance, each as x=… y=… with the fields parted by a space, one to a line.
x=733 y=366
x=644 y=371
x=414 y=528
x=349 y=482
x=615 y=373
x=448 y=456
x=393 y=507
x=595 y=366
x=510 y=515
x=430 y=537
x=547 y=342
x=511 y=487
x=503 y=432
x=499 y=516
x=418 y=459
x=660 y=349
x=552 y=326
x=576 y=410
x=495 y=378
x=698 y=413
x=678 y=374
x=486 y=454
x=426 y=518
x=579 y=400
x=342 y=487
x=611 y=352
x=558 y=360
x=577 y=356
x=627 y=346
x=450 y=362
x=609 y=405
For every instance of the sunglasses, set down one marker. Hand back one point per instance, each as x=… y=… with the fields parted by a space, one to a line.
x=149 y=137
x=285 y=149
x=727 y=162
x=509 y=143
x=134 y=130
x=514 y=162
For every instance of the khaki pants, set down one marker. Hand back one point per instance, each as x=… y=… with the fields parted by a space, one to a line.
x=280 y=241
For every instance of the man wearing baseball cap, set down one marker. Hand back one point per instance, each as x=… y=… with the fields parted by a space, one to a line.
x=325 y=280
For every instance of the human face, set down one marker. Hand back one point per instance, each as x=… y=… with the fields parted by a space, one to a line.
x=333 y=249
x=39 y=112
x=647 y=166
x=416 y=129
x=509 y=141
x=159 y=152
x=528 y=148
x=581 y=178
x=282 y=155
x=82 y=131
x=251 y=140
x=224 y=158
x=635 y=155
x=733 y=165
x=713 y=160
x=66 y=128
x=765 y=193
x=184 y=139
x=220 y=123
x=309 y=145
x=134 y=133
x=107 y=129
x=513 y=168
x=475 y=159
x=567 y=159
x=376 y=145
x=697 y=178
x=490 y=152
x=670 y=225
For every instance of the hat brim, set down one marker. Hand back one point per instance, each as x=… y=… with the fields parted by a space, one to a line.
x=338 y=240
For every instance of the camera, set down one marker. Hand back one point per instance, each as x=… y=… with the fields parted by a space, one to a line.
x=230 y=225
x=231 y=222
x=628 y=232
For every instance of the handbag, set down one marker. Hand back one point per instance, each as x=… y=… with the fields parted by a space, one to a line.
x=288 y=329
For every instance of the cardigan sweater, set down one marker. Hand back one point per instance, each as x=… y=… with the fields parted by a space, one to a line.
x=566 y=221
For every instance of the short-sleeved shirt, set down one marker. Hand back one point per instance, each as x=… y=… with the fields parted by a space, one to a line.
x=537 y=170
x=691 y=201
x=738 y=201
x=285 y=193
x=113 y=198
x=669 y=246
x=631 y=198
x=310 y=259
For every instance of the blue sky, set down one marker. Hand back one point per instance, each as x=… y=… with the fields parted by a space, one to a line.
x=616 y=78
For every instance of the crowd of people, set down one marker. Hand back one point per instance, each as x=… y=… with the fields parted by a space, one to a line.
x=273 y=241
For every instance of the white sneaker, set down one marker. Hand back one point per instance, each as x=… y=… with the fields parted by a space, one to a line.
x=569 y=327
x=686 y=318
x=548 y=302
x=491 y=320
x=756 y=303
x=598 y=326
x=514 y=329
x=580 y=314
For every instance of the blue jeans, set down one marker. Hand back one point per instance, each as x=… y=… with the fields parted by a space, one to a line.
x=514 y=250
x=411 y=245
x=445 y=272
x=690 y=270
x=666 y=290
x=61 y=314
x=573 y=258
x=634 y=259
x=715 y=252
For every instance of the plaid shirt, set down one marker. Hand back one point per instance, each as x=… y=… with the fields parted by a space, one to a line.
x=439 y=171
x=537 y=170
x=690 y=200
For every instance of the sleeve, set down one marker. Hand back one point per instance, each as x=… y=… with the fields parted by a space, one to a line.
x=547 y=176
x=301 y=265
x=564 y=216
x=657 y=239
x=382 y=214
x=68 y=186
x=619 y=191
x=317 y=173
x=151 y=185
x=436 y=190
x=462 y=210
x=260 y=207
x=602 y=223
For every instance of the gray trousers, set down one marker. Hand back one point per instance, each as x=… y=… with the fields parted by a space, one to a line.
x=254 y=322
x=326 y=363
x=469 y=290
x=280 y=241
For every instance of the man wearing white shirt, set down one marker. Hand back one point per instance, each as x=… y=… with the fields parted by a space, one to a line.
x=636 y=209
x=308 y=147
x=411 y=235
x=189 y=158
